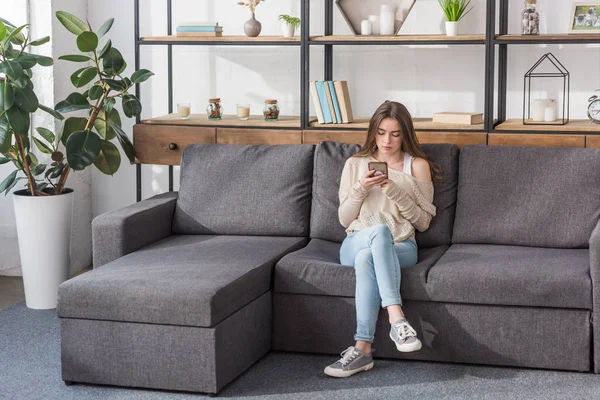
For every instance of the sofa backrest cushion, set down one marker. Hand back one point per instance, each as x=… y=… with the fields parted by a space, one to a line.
x=245 y=190
x=527 y=196
x=329 y=162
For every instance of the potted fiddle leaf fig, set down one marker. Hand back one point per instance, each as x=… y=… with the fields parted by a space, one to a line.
x=82 y=141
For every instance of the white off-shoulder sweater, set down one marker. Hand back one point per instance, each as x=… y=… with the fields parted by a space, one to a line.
x=406 y=205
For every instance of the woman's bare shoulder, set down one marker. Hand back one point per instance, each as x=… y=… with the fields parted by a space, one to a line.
x=421 y=170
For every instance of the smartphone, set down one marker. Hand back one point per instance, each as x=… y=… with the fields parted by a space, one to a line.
x=380 y=167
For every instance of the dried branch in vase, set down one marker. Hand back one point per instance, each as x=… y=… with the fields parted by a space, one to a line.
x=251 y=4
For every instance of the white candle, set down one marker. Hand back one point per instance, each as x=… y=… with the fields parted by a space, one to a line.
x=386 y=19
x=549 y=114
x=374 y=24
x=537 y=109
x=365 y=27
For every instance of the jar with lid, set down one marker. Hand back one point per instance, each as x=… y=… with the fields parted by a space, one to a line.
x=271 y=110
x=530 y=19
x=214 y=109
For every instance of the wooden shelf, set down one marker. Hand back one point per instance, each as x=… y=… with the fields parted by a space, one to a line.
x=228 y=120
x=400 y=38
x=224 y=39
x=419 y=123
x=551 y=38
x=578 y=125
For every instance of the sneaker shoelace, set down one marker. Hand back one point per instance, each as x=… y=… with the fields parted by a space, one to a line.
x=348 y=356
x=405 y=331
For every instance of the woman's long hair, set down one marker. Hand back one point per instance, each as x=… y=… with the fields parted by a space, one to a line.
x=410 y=144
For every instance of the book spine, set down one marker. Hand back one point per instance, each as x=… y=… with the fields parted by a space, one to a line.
x=334 y=100
x=330 y=102
x=201 y=23
x=200 y=34
x=347 y=102
x=199 y=29
x=316 y=101
x=323 y=100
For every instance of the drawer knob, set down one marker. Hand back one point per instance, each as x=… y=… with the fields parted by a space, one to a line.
x=172 y=146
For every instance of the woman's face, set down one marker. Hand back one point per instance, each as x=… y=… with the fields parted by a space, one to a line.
x=389 y=137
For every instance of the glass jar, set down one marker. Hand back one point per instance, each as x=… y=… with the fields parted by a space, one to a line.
x=271 y=110
x=214 y=109
x=530 y=19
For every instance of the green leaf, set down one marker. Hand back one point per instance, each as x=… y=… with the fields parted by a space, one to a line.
x=4 y=160
x=8 y=181
x=2 y=30
x=19 y=120
x=95 y=92
x=41 y=186
x=73 y=102
x=38 y=169
x=83 y=148
x=50 y=111
x=33 y=161
x=141 y=75
x=5 y=135
x=87 y=41
x=105 y=49
x=26 y=60
x=57 y=171
x=131 y=105
x=26 y=99
x=113 y=62
x=40 y=41
x=105 y=27
x=71 y=125
x=109 y=159
x=42 y=146
x=7 y=96
x=15 y=35
x=43 y=60
x=114 y=84
x=125 y=143
x=75 y=58
x=103 y=125
x=109 y=105
x=83 y=76
x=71 y=22
x=11 y=68
x=46 y=134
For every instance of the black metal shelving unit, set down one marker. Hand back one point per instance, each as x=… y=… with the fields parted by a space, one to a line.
x=492 y=42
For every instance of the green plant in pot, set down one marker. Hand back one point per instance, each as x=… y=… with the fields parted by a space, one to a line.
x=43 y=208
x=454 y=10
x=289 y=24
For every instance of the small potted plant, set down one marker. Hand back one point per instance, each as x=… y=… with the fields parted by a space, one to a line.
x=455 y=10
x=289 y=24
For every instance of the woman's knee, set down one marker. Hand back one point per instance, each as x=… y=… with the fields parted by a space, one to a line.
x=381 y=232
x=363 y=261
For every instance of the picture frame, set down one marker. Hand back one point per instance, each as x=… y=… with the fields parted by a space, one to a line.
x=584 y=17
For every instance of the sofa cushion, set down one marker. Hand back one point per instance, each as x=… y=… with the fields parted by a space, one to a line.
x=512 y=275
x=188 y=280
x=315 y=269
x=527 y=196
x=329 y=162
x=245 y=190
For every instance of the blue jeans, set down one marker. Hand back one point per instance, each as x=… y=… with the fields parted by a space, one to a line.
x=377 y=261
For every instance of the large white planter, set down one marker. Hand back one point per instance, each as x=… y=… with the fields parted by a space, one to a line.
x=44 y=233
x=288 y=29
x=452 y=28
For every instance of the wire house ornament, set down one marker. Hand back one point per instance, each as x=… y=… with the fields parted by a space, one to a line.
x=561 y=73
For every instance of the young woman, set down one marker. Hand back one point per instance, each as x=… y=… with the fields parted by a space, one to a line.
x=380 y=214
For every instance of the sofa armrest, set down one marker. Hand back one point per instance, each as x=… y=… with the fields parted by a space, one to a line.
x=595 y=275
x=123 y=231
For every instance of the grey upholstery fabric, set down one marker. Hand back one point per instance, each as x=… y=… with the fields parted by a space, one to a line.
x=329 y=162
x=514 y=336
x=595 y=276
x=165 y=356
x=123 y=231
x=527 y=196
x=245 y=190
x=315 y=269
x=512 y=275
x=183 y=280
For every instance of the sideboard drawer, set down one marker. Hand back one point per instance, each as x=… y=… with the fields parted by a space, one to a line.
x=258 y=136
x=163 y=144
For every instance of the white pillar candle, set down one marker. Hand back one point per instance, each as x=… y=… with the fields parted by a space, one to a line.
x=386 y=19
x=374 y=24
x=365 y=27
x=549 y=114
x=537 y=109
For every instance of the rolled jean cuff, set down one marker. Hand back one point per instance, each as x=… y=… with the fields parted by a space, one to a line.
x=364 y=338
x=392 y=302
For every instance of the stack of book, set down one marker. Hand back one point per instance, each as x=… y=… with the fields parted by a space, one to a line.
x=332 y=101
x=203 y=29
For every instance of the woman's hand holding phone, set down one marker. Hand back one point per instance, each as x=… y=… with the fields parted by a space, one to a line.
x=370 y=180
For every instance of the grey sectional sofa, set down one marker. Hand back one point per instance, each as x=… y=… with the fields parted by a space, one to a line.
x=189 y=289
